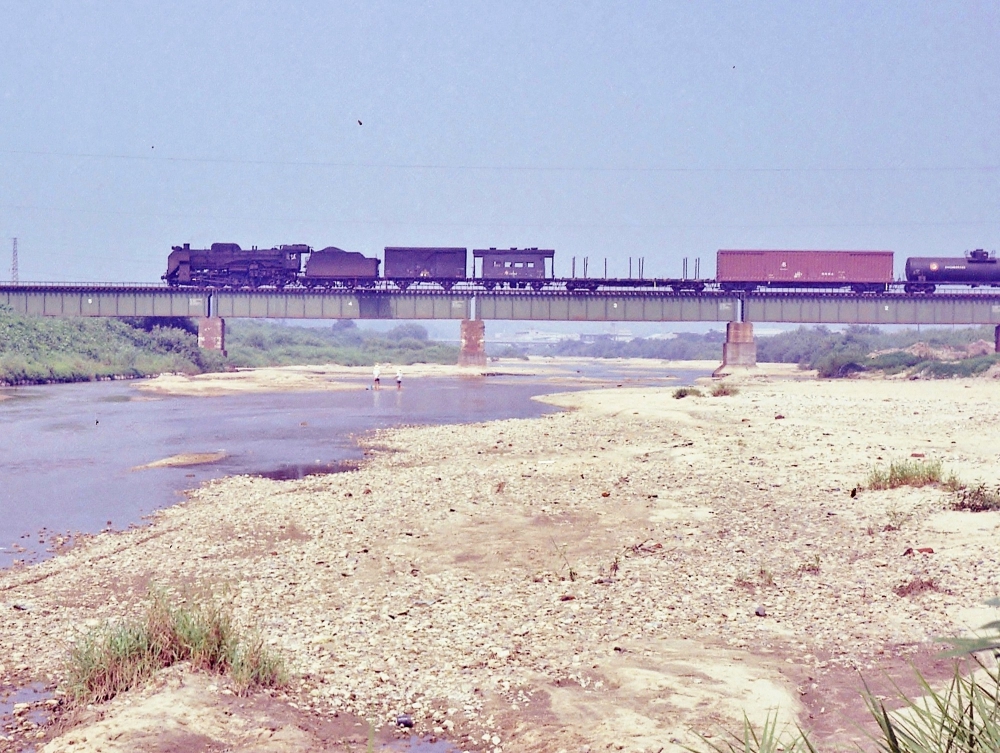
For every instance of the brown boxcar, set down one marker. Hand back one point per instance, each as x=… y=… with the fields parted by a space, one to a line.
x=334 y=266
x=858 y=270
x=512 y=265
x=408 y=264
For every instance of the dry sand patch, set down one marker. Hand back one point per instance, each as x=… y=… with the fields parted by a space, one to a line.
x=184 y=460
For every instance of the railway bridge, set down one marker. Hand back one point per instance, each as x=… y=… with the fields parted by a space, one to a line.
x=473 y=307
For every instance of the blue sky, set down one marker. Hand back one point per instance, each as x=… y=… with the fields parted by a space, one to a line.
x=610 y=130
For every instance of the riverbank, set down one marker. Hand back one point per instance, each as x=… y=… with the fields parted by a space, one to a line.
x=630 y=572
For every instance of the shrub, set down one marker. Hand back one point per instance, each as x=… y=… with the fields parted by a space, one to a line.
x=967 y=367
x=839 y=364
x=408 y=331
x=722 y=390
x=114 y=658
x=511 y=351
x=686 y=391
x=978 y=498
x=895 y=362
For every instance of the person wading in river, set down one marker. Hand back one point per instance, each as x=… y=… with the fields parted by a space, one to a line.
x=376 y=373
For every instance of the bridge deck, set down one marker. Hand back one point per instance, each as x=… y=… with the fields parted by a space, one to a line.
x=652 y=305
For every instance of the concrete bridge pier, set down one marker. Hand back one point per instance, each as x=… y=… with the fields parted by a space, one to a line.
x=473 y=349
x=212 y=333
x=739 y=350
x=996 y=339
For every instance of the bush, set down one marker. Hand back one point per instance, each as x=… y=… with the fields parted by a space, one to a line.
x=114 y=658
x=512 y=352
x=722 y=390
x=256 y=343
x=407 y=331
x=893 y=363
x=978 y=498
x=839 y=364
x=967 y=367
x=686 y=391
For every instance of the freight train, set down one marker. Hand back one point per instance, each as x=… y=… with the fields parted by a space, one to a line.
x=228 y=266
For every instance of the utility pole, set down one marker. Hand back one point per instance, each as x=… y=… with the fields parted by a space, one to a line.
x=13 y=264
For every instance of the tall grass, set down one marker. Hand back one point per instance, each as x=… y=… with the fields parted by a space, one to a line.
x=964 y=717
x=905 y=473
x=114 y=658
x=770 y=738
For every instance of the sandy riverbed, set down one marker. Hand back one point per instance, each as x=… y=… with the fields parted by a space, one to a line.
x=590 y=578
x=334 y=377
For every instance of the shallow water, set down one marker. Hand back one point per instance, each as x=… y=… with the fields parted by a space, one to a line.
x=414 y=744
x=68 y=452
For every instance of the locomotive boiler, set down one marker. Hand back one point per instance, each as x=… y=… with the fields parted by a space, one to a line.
x=228 y=265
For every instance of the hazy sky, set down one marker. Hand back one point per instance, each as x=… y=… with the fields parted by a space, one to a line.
x=622 y=129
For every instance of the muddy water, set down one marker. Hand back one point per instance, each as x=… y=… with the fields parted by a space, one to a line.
x=68 y=452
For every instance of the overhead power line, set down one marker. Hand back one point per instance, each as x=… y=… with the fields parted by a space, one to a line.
x=553 y=225
x=508 y=168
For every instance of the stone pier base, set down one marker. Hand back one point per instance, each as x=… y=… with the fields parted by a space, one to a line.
x=212 y=333
x=473 y=349
x=739 y=350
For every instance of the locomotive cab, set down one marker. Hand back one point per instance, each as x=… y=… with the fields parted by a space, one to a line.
x=178 y=265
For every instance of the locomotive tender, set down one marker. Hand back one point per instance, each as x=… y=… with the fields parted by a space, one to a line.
x=227 y=265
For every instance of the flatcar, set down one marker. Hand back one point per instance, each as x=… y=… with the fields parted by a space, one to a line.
x=976 y=268
x=515 y=267
x=862 y=271
x=228 y=265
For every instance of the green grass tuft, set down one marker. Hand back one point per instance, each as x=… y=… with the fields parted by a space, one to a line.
x=114 y=658
x=905 y=473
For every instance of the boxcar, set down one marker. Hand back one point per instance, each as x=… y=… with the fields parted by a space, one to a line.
x=515 y=267
x=333 y=266
x=228 y=265
x=862 y=271
x=406 y=265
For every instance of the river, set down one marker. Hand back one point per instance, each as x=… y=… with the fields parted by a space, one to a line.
x=69 y=453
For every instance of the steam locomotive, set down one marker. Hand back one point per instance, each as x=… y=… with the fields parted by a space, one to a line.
x=228 y=266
